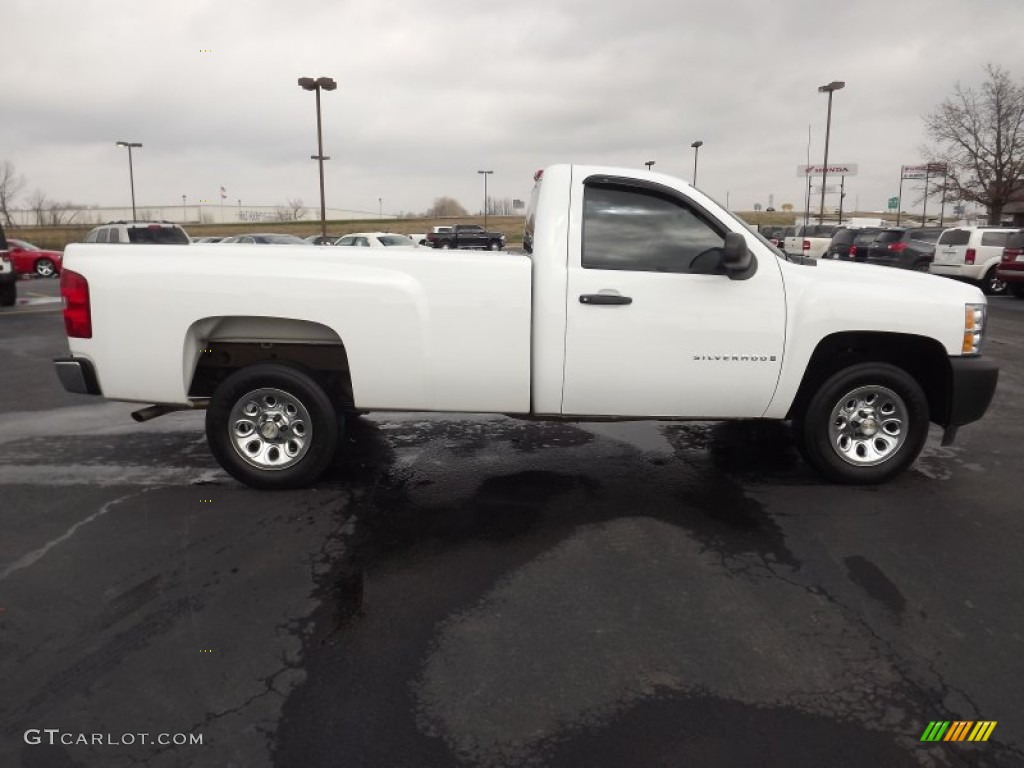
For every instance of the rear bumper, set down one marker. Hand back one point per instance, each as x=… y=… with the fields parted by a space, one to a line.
x=972 y=385
x=1011 y=271
x=77 y=375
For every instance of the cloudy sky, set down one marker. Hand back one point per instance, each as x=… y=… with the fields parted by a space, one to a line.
x=430 y=92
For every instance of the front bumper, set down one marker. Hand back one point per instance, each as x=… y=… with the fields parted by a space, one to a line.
x=77 y=375
x=972 y=385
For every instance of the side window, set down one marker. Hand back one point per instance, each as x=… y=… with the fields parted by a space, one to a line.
x=91 y=237
x=115 y=234
x=641 y=230
x=994 y=238
x=362 y=241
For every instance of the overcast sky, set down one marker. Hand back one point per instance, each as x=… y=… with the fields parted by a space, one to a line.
x=430 y=92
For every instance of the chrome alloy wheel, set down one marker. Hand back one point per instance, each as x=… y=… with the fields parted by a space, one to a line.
x=868 y=426
x=270 y=429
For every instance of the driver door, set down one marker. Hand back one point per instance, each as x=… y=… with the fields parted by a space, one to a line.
x=655 y=326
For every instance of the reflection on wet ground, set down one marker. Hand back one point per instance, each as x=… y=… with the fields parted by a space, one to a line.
x=505 y=593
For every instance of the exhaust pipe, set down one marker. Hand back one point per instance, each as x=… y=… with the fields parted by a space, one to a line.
x=152 y=411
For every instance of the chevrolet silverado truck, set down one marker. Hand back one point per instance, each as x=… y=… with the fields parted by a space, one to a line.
x=637 y=297
x=466 y=236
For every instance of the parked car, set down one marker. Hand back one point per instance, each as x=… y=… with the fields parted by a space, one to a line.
x=862 y=239
x=8 y=277
x=29 y=259
x=839 y=245
x=376 y=240
x=208 y=239
x=420 y=239
x=972 y=254
x=266 y=238
x=467 y=236
x=810 y=240
x=1011 y=268
x=905 y=248
x=139 y=232
x=321 y=239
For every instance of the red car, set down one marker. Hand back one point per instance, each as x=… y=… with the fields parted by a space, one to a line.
x=32 y=260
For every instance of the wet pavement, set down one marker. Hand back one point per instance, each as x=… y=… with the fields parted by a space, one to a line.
x=483 y=591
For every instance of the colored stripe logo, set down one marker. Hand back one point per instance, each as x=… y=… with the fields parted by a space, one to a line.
x=959 y=730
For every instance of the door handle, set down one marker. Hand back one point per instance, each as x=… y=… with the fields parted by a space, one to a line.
x=605 y=298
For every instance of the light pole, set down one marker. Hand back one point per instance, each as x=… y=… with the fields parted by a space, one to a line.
x=131 y=172
x=380 y=207
x=696 y=151
x=327 y=84
x=184 y=209
x=649 y=163
x=485 y=174
x=831 y=88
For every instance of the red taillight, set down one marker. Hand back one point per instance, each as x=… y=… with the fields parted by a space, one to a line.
x=806 y=246
x=853 y=250
x=969 y=258
x=74 y=289
x=897 y=247
x=1012 y=254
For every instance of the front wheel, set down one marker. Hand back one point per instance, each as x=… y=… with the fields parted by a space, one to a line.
x=445 y=245
x=272 y=427
x=46 y=268
x=866 y=424
x=494 y=245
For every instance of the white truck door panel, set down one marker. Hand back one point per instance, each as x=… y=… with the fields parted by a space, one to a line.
x=654 y=327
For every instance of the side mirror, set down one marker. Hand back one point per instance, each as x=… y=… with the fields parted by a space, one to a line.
x=736 y=257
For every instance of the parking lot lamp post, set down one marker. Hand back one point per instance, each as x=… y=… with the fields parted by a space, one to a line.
x=696 y=151
x=380 y=207
x=184 y=209
x=831 y=88
x=485 y=174
x=327 y=84
x=649 y=163
x=131 y=172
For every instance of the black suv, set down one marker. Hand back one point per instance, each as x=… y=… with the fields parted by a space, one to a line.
x=903 y=247
x=8 y=277
x=839 y=245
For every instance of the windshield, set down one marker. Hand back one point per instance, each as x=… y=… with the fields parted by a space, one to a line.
x=396 y=240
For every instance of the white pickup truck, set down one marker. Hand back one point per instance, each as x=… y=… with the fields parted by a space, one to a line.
x=638 y=297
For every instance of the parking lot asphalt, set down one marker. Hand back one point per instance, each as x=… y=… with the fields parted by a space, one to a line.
x=484 y=591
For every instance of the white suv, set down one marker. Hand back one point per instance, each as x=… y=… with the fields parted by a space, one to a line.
x=972 y=254
x=151 y=232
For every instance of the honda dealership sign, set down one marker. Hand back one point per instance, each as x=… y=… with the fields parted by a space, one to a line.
x=834 y=169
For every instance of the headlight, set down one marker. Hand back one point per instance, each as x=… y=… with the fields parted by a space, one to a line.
x=974 y=328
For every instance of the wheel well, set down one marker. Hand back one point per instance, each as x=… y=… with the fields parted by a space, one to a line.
x=923 y=358
x=311 y=347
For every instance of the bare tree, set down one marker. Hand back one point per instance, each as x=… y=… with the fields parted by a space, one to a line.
x=38 y=203
x=296 y=209
x=11 y=183
x=445 y=206
x=979 y=136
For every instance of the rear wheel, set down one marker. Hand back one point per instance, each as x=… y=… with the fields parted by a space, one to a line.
x=271 y=426
x=992 y=285
x=921 y=266
x=866 y=424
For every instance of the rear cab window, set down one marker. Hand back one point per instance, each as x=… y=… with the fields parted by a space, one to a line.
x=954 y=237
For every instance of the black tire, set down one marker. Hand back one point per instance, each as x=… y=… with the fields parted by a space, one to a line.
x=874 y=457
x=494 y=245
x=8 y=294
x=992 y=285
x=1017 y=289
x=445 y=245
x=921 y=266
x=46 y=268
x=269 y=392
